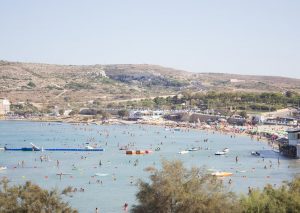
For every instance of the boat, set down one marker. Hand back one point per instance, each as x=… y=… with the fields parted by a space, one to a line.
x=183 y=152
x=123 y=148
x=220 y=153
x=88 y=147
x=255 y=153
x=193 y=149
x=221 y=174
x=101 y=174
x=226 y=150
x=3 y=168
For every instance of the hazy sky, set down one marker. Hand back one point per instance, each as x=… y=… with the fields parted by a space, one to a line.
x=242 y=36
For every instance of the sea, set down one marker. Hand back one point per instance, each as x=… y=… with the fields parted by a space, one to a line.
x=109 y=177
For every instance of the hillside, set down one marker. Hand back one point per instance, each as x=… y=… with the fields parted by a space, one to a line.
x=48 y=84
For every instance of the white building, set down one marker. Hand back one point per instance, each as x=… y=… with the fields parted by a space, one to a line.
x=4 y=106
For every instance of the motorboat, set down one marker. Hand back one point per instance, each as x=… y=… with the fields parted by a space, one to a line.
x=221 y=174
x=194 y=149
x=123 y=148
x=183 y=152
x=226 y=150
x=220 y=153
x=255 y=153
x=88 y=147
x=3 y=168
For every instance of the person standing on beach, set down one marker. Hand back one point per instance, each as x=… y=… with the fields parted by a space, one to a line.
x=236 y=159
x=57 y=163
x=96 y=211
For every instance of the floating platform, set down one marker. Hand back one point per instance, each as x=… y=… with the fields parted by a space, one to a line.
x=56 y=149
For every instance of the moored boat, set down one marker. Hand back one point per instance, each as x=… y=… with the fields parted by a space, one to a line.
x=220 y=153
x=183 y=152
x=225 y=150
x=3 y=168
x=194 y=149
x=255 y=153
x=221 y=174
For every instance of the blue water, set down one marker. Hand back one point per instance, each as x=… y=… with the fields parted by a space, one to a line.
x=116 y=187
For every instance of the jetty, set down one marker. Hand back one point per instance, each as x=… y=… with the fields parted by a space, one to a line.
x=35 y=148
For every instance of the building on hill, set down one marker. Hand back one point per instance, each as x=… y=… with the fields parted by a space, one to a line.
x=4 y=106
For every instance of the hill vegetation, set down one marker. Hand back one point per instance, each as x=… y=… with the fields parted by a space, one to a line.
x=75 y=85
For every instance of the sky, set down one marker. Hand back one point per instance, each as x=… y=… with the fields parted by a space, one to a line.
x=256 y=37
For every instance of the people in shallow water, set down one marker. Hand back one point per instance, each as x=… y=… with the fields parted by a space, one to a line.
x=125 y=207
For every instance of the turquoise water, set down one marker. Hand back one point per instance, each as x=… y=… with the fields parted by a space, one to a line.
x=116 y=187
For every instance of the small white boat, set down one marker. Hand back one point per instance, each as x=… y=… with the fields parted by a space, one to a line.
x=3 y=168
x=194 y=149
x=101 y=174
x=88 y=147
x=2 y=149
x=226 y=150
x=220 y=153
x=183 y=152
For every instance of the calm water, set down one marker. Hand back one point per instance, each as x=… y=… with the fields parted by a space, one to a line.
x=111 y=194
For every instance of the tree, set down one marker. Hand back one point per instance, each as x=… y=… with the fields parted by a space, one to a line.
x=74 y=112
x=31 y=84
x=61 y=111
x=123 y=113
x=31 y=198
x=175 y=189
x=243 y=114
x=286 y=198
x=105 y=115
